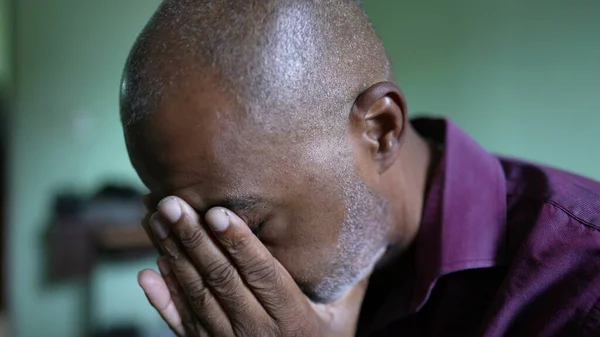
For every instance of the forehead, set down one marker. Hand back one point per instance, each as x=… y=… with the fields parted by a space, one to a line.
x=206 y=145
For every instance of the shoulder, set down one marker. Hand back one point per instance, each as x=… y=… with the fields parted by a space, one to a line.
x=557 y=247
x=575 y=196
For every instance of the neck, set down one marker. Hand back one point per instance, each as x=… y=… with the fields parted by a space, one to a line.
x=409 y=180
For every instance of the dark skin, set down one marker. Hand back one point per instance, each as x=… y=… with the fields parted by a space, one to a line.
x=209 y=161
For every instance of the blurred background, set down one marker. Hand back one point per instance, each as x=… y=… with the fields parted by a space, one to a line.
x=521 y=76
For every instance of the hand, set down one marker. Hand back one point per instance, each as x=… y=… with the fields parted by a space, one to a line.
x=223 y=282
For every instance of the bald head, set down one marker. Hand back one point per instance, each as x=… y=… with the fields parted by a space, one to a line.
x=285 y=101
x=295 y=57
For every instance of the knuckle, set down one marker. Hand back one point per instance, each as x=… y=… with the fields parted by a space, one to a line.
x=180 y=269
x=261 y=273
x=221 y=276
x=192 y=238
x=172 y=251
x=237 y=246
x=199 y=295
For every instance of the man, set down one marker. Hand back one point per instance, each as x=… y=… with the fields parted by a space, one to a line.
x=297 y=199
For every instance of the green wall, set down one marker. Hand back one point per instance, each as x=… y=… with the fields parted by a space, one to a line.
x=521 y=76
x=65 y=132
x=5 y=44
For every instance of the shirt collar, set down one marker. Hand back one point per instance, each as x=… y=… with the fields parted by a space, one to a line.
x=464 y=218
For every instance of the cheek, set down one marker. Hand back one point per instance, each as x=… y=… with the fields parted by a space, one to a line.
x=315 y=211
x=309 y=229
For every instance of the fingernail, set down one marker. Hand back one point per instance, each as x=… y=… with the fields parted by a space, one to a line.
x=159 y=228
x=218 y=219
x=163 y=266
x=170 y=208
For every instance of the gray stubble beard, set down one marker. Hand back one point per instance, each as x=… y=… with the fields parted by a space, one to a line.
x=361 y=243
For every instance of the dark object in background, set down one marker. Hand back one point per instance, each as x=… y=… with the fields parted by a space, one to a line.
x=83 y=227
x=120 y=192
x=120 y=331
x=86 y=229
x=68 y=205
x=111 y=204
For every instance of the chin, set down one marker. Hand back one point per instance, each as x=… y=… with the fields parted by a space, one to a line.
x=320 y=297
x=339 y=279
x=326 y=291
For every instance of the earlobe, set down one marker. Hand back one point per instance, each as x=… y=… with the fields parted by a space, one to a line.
x=379 y=116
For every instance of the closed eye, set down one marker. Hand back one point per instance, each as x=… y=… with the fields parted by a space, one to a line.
x=252 y=223
x=256 y=229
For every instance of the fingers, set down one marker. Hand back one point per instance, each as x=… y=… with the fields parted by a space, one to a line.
x=149 y=233
x=218 y=273
x=158 y=294
x=150 y=202
x=267 y=279
x=200 y=298
x=189 y=321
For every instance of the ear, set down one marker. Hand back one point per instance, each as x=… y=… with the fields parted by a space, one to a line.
x=378 y=121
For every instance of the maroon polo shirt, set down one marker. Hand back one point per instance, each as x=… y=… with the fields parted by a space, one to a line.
x=505 y=248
